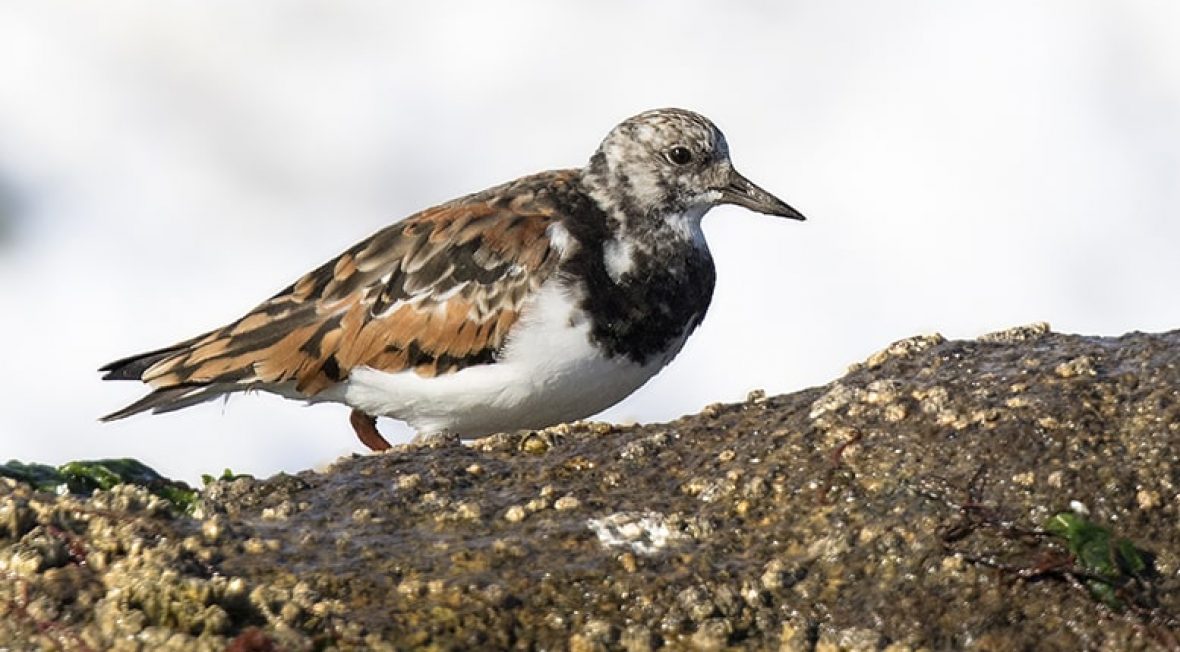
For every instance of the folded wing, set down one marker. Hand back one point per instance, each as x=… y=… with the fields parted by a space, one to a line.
x=435 y=293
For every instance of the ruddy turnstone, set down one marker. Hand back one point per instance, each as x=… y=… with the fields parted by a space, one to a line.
x=543 y=300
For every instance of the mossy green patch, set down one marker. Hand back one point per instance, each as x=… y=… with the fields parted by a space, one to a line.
x=83 y=477
x=1110 y=562
x=41 y=476
x=227 y=475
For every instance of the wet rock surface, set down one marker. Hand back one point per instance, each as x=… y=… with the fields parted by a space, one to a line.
x=903 y=506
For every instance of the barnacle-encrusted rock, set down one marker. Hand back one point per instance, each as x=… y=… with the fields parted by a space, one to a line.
x=916 y=502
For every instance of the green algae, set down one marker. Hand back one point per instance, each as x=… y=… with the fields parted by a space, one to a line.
x=41 y=476
x=85 y=476
x=227 y=475
x=1110 y=562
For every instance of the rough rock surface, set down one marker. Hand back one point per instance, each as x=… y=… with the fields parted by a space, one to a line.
x=900 y=507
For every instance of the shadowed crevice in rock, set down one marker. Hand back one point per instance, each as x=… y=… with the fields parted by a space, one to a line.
x=901 y=504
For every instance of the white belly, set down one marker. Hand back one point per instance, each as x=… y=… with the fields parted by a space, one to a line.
x=548 y=373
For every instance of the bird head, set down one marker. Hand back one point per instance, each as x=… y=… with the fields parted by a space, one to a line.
x=672 y=162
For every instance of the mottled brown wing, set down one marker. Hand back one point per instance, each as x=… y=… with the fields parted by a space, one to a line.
x=435 y=293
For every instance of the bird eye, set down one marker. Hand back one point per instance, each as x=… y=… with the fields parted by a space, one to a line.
x=680 y=155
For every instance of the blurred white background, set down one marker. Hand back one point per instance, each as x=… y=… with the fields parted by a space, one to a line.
x=965 y=166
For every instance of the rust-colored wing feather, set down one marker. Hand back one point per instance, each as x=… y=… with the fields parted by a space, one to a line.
x=434 y=293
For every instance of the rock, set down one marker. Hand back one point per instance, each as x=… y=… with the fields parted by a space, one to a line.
x=902 y=506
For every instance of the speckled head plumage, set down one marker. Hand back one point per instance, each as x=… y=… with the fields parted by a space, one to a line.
x=671 y=161
x=542 y=300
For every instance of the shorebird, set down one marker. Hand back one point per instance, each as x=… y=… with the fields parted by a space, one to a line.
x=542 y=300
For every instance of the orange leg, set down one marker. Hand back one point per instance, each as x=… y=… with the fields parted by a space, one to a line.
x=366 y=430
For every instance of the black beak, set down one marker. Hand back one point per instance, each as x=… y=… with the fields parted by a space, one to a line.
x=742 y=192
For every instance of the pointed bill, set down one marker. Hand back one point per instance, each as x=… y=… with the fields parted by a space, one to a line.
x=742 y=192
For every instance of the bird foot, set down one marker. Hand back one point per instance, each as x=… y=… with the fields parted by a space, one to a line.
x=366 y=430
